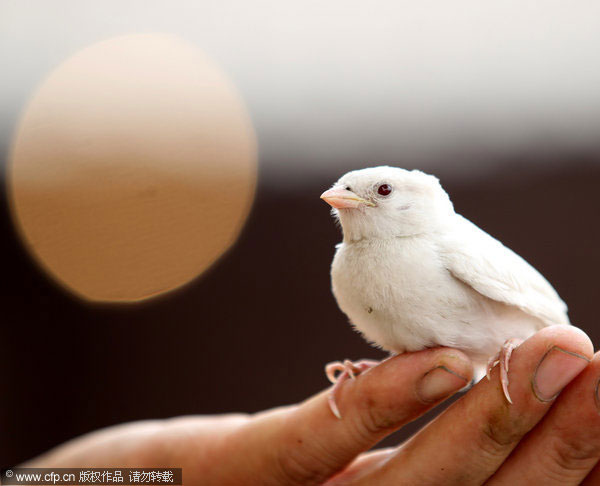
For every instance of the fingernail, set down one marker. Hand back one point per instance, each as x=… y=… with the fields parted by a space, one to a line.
x=555 y=370
x=439 y=383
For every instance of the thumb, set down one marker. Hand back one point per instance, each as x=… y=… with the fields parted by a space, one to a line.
x=311 y=444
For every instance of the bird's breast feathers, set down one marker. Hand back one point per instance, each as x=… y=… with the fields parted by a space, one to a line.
x=406 y=294
x=394 y=291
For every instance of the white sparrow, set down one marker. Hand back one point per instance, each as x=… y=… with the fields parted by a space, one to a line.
x=412 y=274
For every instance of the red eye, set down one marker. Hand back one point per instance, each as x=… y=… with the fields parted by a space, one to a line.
x=384 y=189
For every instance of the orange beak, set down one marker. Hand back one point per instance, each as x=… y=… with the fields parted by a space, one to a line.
x=340 y=198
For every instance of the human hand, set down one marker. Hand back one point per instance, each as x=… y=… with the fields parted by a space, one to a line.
x=479 y=439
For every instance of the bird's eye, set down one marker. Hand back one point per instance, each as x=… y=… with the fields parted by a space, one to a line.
x=384 y=190
x=348 y=188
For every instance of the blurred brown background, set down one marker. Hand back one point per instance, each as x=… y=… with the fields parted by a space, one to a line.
x=255 y=330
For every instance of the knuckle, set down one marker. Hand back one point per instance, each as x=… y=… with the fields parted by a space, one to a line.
x=374 y=418
x=294 y=471
x=570 y=453
x=300 y=466
x=499 y=435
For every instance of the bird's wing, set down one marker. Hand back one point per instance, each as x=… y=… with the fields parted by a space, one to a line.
x=482 y=262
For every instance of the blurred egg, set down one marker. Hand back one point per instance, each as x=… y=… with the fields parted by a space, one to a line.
x=133 y=168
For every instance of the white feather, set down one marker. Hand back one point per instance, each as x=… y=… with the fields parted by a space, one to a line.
x=497 y=272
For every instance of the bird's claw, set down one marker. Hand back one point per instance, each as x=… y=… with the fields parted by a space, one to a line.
x=347 y=369
x=503 y=358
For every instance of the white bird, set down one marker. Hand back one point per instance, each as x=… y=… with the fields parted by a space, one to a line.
x=412 y=274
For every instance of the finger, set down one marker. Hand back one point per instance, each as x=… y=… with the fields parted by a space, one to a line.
x=473 y=437
x=309 y=444
x=565 y=446
x=186 y=441
x=361 y=466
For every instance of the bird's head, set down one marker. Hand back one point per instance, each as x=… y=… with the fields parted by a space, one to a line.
x=386 y=202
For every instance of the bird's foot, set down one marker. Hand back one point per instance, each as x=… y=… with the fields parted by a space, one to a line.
x=347 y=369
x=503 y=358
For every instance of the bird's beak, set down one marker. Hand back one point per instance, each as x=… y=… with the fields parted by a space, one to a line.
x=340 y=198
